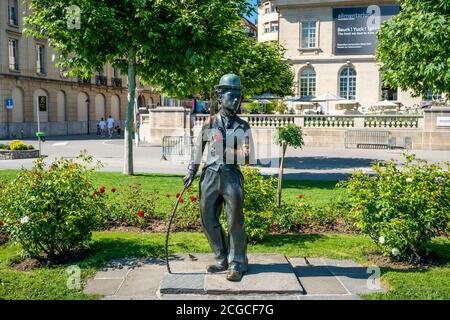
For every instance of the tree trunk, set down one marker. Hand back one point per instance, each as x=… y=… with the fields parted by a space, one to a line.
x=280 y=175
x=128 y=135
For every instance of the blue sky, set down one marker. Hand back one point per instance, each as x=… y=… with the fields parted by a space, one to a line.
x=253 y=17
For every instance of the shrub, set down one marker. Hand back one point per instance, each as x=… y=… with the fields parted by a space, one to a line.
x=257 y=224
x=18 y=145
x=252 y=108
x=52 y=211
x=3 y=146
x=290 y=217
x=30 y=147
x=259 y=193
x=402 y=207
x=188 y=215
x=127 y=206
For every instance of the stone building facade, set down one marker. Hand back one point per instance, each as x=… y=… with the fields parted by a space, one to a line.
x=30 y=78
x=331 y=45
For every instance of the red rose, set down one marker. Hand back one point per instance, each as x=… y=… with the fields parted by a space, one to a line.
x=168 y=195
x=300 y=196
x=141 y=214
x=181 y=200
x=193 y=199
x=102 y=189
x=94 y=194
x=1 y=223
x=113 y=190
x=178 y=195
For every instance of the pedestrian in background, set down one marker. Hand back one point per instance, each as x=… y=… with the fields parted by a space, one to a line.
x=110 y=123
x=102 y=125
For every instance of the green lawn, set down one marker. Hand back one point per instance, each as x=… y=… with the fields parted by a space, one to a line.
x=318 y=192
x=50 y=282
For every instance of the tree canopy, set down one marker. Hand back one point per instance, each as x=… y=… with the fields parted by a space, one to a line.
x=170 y=37
x=414 y=47
x=261 y=67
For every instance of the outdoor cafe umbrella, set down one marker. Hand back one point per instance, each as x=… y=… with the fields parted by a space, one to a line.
x=263 y=101
x=385 y=104
x=327 y=97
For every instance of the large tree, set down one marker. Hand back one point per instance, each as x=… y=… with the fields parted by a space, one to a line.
x=261 y=67
x=414 y=47
x=161 y=40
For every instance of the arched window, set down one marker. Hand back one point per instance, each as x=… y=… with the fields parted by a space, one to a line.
x=308 y=82
x=347 y=84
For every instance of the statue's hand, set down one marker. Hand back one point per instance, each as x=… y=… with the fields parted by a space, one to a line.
x=188 y=179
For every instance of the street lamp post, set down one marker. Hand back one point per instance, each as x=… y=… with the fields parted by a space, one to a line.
x=38 y=125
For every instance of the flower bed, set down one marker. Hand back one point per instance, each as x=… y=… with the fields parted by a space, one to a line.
x=17 y=150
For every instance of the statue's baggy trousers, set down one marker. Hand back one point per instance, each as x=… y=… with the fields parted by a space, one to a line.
x=224 y=187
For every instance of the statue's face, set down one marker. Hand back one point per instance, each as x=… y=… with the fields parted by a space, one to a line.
x=231 y=99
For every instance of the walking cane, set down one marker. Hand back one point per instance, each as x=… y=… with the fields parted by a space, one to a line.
x=169 y=226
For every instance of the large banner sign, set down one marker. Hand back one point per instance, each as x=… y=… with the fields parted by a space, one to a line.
x=355 y=28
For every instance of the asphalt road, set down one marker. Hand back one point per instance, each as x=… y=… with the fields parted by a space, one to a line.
x=306 y=164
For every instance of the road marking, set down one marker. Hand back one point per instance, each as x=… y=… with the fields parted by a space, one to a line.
x=59 y=144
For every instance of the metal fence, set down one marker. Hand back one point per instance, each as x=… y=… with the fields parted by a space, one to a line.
x=179 y=146
x=369 y=139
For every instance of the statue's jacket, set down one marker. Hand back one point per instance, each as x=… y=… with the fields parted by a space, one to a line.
x=225 y=145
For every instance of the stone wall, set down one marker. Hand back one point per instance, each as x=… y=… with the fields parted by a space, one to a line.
x=423 y=132
x=18 y=154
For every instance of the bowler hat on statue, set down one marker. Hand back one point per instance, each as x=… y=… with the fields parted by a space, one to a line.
x=229 y=81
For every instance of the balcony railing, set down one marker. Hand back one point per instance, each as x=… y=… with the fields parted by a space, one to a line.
x=327 y=121
x=82 y=80
x=101 y=81
x=116 y=82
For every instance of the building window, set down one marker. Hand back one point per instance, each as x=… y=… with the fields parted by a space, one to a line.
x=308 y=83
x=266 y=27
x=12 y=12
x=347 y=84
x=429 y=95
x=387 y=93
x=308 y=34
x=267 y=7
x=274 y=27
x=40 y=59
x=116 y=80
x=13 y=54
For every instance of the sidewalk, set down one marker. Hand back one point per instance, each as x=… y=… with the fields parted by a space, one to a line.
x=270 y=276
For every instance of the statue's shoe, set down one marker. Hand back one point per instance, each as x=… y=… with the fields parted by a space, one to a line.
x=234 y=275
x=216 y=268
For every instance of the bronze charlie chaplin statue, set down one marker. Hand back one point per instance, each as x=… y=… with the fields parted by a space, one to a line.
x=229 y=142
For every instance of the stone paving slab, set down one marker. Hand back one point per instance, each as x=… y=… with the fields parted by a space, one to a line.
x=316 y=278
x=104 y=287
x=141 y=282
x=271 y=276
x=183 y=283
x=267 y=274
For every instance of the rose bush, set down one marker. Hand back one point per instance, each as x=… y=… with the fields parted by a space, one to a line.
x=51 y=212
x=402 y=207
x=127 y=206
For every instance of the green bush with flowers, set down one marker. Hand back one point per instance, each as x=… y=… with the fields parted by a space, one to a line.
x=51 y=212
x=126 y=206
x=402 y=207
x=188 y=215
